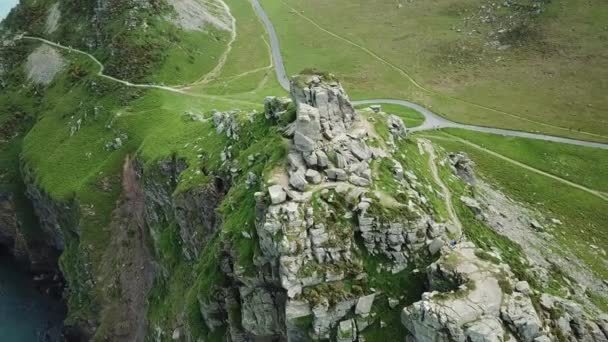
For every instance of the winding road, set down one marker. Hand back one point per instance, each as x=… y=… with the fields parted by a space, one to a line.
x=432 y=120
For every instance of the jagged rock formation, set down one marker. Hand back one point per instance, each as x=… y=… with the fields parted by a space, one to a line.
x=474 y=297
x=306 y=230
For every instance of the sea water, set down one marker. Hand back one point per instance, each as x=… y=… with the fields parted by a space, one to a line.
x=26 y=314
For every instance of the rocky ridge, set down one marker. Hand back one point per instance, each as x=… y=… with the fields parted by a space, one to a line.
x=311 y=216
x=474 y=297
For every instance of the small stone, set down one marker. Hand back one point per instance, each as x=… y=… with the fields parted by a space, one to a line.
x=523 y=287
x=435 y=246
x=358 y=181
x=534 y=224
x=336 y=174
x=364 y=304
x=313 y=176
x=393 y=302
x=277 y=194
x=298 y=180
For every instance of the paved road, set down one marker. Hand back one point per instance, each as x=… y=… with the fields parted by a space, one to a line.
x=432 y=120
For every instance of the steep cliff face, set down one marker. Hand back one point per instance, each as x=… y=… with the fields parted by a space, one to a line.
x=192 y=211
x=11 y=237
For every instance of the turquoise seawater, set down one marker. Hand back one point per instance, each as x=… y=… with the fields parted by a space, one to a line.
x=25 y=314
x=5 y=7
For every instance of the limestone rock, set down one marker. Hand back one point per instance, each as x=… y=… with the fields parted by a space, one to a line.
x=519 y=313
x=448 y=317
x=486 y=329
x=347 y=331
x=462 y=166
x=364 y=305
x=313 y=176
x=336 y=174
x=307 y=129
x=277 y=194
x=297 y=179
x=396 y=127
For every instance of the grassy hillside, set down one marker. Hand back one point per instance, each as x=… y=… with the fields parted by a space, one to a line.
x=473 y=61
x=583 y=215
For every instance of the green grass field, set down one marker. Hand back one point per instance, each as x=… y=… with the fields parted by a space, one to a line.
x=550 y=80
x=582 y=165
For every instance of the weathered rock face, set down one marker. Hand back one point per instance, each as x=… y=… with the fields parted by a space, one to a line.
x=336 y=113
x=259 y=311
x=473 y=299
x=194 y=211
x=306 y=229
x=196 y=216
x=476 y=295
x=11 y=237
x=55 y=218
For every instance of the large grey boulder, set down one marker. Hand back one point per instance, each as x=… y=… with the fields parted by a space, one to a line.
x=297 y=179
x=313 y=176
x=519 y=313
x=473 y=293
x=364 y=304
x=277 y=194
x=307 y=128
x=336 y=174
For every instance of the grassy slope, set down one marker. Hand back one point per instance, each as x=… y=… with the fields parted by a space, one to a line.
x=555 y=77
x=581 y=165
x=582 y=214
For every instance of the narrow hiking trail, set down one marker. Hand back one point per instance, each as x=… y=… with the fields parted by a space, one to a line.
x=447 y=194
x=593 y=192
x=100 y=73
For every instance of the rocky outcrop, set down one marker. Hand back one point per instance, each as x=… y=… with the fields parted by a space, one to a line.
x=474 y=299
x=306 y=230
x=462 y=166
x=466 y=296
x=276 y=107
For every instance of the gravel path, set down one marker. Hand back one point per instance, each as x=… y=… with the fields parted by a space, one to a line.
x=447 y=194
x=432 y=120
